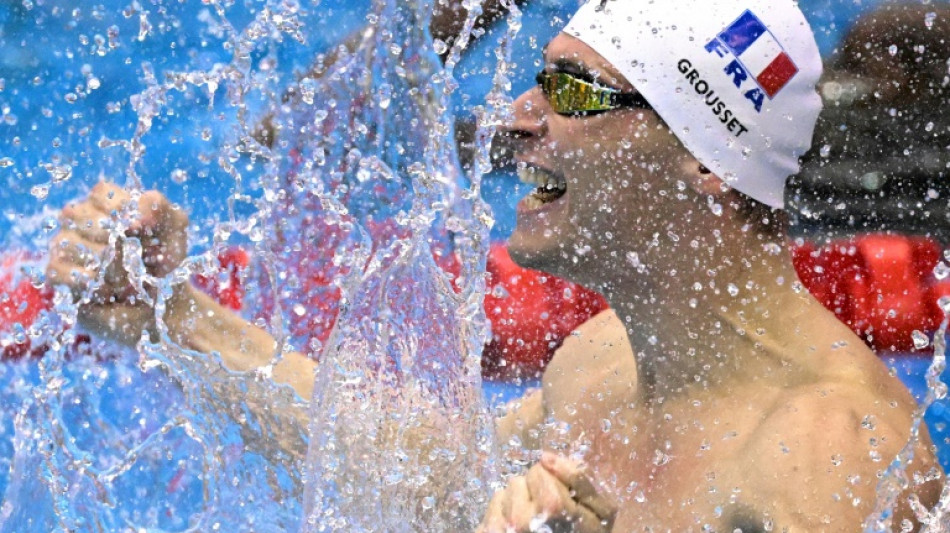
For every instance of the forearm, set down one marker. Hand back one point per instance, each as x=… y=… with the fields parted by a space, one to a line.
x=195 y=321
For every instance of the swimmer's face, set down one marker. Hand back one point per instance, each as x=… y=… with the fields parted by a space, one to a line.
x=605 y=173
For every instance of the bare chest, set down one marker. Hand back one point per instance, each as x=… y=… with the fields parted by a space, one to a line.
x=680 y=469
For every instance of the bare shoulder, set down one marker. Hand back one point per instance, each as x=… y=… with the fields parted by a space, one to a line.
x=827 y=444
x=594 y=367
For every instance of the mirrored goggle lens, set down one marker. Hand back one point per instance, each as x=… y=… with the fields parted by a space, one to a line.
x=569 y=95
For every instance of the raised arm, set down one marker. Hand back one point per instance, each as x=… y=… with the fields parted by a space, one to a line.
x=114 y=310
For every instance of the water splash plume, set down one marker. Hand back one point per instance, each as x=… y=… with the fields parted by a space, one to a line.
x=417 y=453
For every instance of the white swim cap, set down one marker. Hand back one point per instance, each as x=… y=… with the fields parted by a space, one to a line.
x=734 y=80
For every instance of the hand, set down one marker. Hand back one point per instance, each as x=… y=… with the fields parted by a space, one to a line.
x=115 y=309
x=555 y=492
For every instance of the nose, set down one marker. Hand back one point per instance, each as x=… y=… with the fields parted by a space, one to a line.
x=530 y=117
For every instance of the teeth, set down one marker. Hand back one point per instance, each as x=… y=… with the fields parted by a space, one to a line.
x=540 y=177
x=549 y=186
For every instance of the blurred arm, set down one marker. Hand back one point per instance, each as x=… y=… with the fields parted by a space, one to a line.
x=196 y=322
x=113 y=309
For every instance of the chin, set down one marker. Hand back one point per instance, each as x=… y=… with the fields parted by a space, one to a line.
x=528 y=253
x=550 y=258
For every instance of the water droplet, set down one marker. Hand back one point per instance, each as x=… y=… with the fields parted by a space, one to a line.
x=733 y=290
x=660 y=458
x=929 y=19
x=59 y=173
x=300 y=310
x=941 y=271
x=113 y=35
x=940 y=390
x=892 y=49
x=944 y=303
x=308 y=89
x=499 y=291
x=256 y=234
x=40 y=192
x=19 y=334
x=385 y=95
x=825 y=150
x=873 y=181
x=633 y=258
x=929 y=126
x=50 y=225
x=921 y=340
x=6 y=162
x=179 y=176
x=439 y=46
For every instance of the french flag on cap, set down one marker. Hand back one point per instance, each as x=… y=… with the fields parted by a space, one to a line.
x=762 y=56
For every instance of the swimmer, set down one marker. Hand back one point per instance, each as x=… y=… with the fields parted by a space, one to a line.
x=716 y=394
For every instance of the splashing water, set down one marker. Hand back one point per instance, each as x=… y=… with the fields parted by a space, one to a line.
x=182 y=450
x=894 y=479
x=368 y=171
x=417 y=455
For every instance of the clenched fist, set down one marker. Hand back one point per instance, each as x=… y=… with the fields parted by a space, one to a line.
x=555 y=495
x=93 y=261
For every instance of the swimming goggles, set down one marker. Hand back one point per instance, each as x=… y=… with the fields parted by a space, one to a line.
x=570 y=95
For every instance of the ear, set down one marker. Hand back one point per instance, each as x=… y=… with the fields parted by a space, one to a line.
x=703 y=181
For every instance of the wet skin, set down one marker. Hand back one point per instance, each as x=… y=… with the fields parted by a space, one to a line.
x=747 y=407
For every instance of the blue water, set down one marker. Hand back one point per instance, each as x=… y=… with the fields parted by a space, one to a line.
x=163 y=488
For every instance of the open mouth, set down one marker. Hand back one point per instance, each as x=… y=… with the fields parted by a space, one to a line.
x=551 y=186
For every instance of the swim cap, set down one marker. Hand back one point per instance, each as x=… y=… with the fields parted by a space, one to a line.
x=734 y=80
